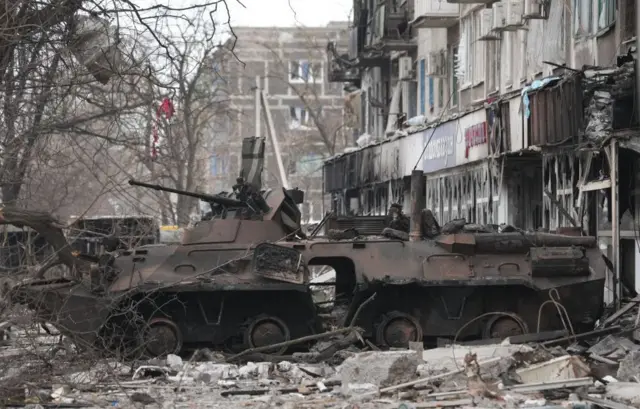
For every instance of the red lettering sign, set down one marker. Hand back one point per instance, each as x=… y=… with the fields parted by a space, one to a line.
x=475 y=135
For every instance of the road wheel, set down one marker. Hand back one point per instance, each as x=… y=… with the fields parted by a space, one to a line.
x=161 y=337
x=501 y=327
x=267 y=330
x=396 y=329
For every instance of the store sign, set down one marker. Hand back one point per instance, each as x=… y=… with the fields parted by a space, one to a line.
x=475 y=135
x=440 y=145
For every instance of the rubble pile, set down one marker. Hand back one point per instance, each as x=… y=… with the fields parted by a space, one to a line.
x=596 y=369
x=602 y=88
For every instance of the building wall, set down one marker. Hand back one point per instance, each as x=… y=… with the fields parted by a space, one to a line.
x=486 y=61
x=272 y=54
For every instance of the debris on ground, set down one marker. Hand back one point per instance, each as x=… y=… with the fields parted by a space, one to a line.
x=600 y=368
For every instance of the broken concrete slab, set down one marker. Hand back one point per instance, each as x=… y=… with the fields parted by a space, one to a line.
x=561 y=368
x=613 y=347
x=439 y=360
x=379 y=368
x=629 y=369
x=627 y=393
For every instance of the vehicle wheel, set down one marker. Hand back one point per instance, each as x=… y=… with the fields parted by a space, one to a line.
x=501 y=327
x=161 y=337
x=396 y=329
x=267 y=330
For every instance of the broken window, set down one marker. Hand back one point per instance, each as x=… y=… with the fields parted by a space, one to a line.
x=606 y=13
x=218 y=165
x=299 y=117
x=305 y=71
x=582 y=12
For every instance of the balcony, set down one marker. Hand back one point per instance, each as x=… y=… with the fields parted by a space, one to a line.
x=435 y=14
x=340 y=67
x=389 y=31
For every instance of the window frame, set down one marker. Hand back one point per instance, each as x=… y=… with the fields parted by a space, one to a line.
x=297 y=75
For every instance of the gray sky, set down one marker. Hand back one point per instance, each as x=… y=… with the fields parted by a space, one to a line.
x=288 y=12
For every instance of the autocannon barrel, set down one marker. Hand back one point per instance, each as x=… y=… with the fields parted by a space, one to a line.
x=224 y=201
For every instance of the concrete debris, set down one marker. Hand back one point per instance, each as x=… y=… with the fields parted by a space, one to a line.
x=629 y=369
x=627 y=393
x=603 y=88
x=379 y=368
x=562 y=368
x=603 y=369
x=174 y=361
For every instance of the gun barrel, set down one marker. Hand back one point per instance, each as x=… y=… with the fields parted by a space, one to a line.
x=224 y=201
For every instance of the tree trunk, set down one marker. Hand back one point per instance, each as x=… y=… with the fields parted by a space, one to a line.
x=183 y=210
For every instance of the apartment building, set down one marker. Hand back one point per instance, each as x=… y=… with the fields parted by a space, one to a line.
x=307 y=109
x=518 y=112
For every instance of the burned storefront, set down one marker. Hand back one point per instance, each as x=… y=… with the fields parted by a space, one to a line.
x=612 y=167
x=463 y=182
x=366 y=181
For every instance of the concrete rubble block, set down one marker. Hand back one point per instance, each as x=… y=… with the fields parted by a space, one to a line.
x=217 y=371
x=627 y=393
x=351 y=389
x=379 y=368
x=451 y=358
x=174 y=362
x=253 y=370
x=284 y=366
x=561 y=368
x=629 y=369
x=613 y=347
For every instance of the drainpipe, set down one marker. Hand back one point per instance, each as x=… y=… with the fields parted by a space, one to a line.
x=418 y=203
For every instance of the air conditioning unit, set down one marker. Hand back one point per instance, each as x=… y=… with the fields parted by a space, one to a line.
x=498 y=16
x=486 y=25
x=536 y=9
x=437 y=66
x=513 y=17
x=405 y=69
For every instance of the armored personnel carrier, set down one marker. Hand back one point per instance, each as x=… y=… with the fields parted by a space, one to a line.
x=218 y=290
x=241 y=280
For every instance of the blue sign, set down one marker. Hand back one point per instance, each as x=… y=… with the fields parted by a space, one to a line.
x=440 y=152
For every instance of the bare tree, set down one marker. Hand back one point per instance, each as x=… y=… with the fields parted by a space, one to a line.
x=54 y=82
x=186 y=136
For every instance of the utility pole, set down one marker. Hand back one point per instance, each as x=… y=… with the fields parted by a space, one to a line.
x=262 y=104
x=258 y=120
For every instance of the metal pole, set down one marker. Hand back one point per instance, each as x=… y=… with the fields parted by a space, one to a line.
x=274 y=139
x=418 y=200
x=257 y=107
x=615 y=224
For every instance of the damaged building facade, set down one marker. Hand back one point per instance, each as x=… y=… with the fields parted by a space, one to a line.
x=519 y=112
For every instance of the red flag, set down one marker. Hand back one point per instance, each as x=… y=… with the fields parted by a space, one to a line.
x=166 y=108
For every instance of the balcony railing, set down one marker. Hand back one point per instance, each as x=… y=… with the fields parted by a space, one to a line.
x=390 y=27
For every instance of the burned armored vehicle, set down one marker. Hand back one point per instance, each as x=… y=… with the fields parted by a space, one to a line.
x=201 y=292
x=213 y=291
x=241 y=280
x=466 y=283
